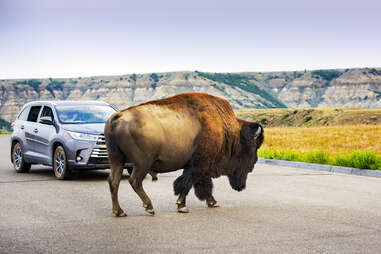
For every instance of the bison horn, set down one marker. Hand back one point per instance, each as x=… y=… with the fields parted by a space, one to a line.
x=258 y=132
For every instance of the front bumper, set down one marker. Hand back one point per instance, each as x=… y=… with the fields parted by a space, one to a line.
x=93 y=154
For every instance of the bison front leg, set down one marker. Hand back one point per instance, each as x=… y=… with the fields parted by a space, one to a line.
x=211 y=202
x=181 y=187
x=203 y=188
x=116 y=171
x=136 y=181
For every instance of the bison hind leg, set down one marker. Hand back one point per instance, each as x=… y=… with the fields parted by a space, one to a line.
x=116 y=171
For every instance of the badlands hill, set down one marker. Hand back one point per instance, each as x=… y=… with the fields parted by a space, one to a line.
x=340 y=88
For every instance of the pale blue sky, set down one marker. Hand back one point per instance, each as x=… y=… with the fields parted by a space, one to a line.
x=71 y=38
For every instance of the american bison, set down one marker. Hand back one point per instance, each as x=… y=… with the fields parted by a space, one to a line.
x=194 y=131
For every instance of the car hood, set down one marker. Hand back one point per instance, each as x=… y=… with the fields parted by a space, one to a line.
x=91 y=128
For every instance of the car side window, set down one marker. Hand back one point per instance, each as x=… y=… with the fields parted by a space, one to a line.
x=33 y=113
x=47 y=111
x=24 y=114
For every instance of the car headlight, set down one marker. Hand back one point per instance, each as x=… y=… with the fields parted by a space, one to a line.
x=82 y=136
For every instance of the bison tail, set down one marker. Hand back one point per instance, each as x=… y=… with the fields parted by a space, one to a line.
x=112 y=147
x=109 y=130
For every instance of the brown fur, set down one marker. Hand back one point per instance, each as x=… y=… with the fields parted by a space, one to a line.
x=194 y=131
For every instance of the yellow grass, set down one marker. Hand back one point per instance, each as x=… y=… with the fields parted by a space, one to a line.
x=332 y=140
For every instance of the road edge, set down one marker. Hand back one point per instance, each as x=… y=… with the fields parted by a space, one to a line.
x=321 y=167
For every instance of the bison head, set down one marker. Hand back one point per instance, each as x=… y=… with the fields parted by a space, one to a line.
x=251 y=138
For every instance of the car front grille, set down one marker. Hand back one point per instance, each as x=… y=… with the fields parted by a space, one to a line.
x=99 y=154
x=101 y=140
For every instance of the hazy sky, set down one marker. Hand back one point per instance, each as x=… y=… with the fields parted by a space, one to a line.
x=71 y=38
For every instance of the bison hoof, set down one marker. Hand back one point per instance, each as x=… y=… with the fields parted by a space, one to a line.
x=154 y=178
x=120 y=214
x=213 y=205
x=183 y=209
x=150 y=211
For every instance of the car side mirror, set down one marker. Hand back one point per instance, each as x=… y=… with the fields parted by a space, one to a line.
x=46 y=120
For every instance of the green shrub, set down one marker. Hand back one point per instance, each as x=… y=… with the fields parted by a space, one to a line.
x=290 y=156
x=359 y=159
x=154 y=77
x=342 y=160
x=279 y=155
x=55 y=84
x=317 y=157
x=327 y=75
x=34 y=83
x=375 y=71
x=22 y=82
x=307 y=119
x=5 y=124
x=263 y=121
x=366 y=160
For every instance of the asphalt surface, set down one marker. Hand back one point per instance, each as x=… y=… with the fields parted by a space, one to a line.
x=282 y=210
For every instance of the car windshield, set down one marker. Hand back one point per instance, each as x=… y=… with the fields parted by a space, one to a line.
x=81 y=114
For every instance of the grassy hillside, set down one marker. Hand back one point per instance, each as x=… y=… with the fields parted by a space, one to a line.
x=243 y=82
x=311 y=117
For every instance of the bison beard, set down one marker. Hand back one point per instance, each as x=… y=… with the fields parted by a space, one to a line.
x=238 y=183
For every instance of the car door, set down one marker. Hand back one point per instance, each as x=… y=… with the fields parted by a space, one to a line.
x=30 y=129
x=44 y=134
x=19 y=128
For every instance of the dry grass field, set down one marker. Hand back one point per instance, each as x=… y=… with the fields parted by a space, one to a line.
x=332 y=139
x=343 y=137
x=347 y=145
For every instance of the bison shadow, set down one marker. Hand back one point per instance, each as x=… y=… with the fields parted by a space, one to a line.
x=83 y=175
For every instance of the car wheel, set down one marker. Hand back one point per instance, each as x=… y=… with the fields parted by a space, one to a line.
x=18 y=159
x=60 y=166
x=129 y=170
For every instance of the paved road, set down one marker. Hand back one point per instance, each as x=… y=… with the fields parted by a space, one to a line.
x=283 y=210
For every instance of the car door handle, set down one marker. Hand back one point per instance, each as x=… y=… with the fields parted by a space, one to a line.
x=22 y=127
x=35 y=130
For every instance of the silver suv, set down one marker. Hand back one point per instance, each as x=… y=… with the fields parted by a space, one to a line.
x=66 y=135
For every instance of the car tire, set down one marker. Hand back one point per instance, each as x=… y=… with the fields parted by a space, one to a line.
x=19 y=163
x=60 y=166
x=129 y=170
